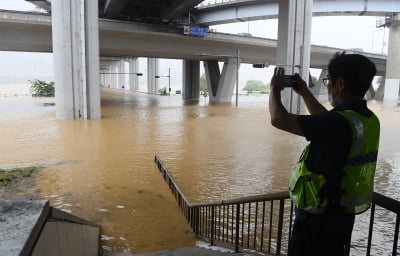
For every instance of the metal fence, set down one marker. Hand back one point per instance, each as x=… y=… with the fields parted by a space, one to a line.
x=389 y=205
x=261 y=223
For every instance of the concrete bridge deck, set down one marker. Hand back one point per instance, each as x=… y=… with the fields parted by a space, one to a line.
x=32 y=32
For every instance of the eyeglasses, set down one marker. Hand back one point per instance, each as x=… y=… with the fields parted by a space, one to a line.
x=325 y=81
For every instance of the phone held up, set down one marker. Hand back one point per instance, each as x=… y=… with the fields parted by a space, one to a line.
x=290 y=81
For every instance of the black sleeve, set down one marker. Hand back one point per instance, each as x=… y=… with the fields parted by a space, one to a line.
x=317 y=127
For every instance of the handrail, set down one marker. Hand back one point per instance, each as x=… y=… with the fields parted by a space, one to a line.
x=161 y=167
x=256 y=222
x=386 y=202
x=251 y=199
x=240 y=222
x=248 y=199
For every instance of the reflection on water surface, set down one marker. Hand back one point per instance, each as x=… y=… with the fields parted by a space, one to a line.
x=213 y=151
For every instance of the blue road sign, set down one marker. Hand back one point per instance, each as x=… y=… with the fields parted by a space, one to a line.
x=195 y=31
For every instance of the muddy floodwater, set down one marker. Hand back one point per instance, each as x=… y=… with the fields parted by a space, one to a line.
x=103 y=170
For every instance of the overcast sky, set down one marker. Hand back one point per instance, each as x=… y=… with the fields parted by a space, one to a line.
x=340 y=32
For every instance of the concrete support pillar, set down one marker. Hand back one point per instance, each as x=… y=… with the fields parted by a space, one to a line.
x=370 y=95
x=191 y=79
x=318 y=89
x=380 y=91
x=293 y=51
x=227 y=81
x=121 y=74
x=114 y=77
x=107 y=77
x=211 y=69
x=133 y=74
x=392 y=81
x=152 y=72
x=221 y=85
x=75 y=34
x=102 y=77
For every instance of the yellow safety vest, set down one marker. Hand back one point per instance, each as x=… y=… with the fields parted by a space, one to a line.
x=306 y=188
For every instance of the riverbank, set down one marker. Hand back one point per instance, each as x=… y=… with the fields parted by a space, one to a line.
x=17 y=179
x=14 y=182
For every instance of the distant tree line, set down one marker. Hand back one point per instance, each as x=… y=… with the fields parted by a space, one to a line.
x=251 y=85
x=256 y=86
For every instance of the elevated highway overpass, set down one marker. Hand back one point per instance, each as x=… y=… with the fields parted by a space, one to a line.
x=222 y=12
x=31 y=32
x=225 y=11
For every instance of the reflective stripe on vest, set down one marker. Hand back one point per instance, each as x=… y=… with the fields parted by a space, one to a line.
x=360 y=160
x=355 y=201
x=315 y=210
x=359 y=127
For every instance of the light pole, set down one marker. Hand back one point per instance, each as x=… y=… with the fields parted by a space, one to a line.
x=169 y=80
x=237 y=76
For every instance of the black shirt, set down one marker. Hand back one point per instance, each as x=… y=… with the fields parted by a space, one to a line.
x=330 y=136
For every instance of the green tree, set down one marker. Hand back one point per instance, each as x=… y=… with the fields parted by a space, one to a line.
x=255 y=85
x=314 y=79
x=41 y=88
x=203 y=82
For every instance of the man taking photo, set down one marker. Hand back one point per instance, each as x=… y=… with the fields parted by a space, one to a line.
x=334 y=178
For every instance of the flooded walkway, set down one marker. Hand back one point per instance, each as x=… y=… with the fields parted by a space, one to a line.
x=214 y=152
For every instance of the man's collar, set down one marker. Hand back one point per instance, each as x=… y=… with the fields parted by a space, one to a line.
x=356 y=105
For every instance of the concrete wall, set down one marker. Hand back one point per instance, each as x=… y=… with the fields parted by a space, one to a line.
x=61 y=238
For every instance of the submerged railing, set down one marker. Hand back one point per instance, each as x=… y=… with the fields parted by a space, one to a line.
x=261 y=223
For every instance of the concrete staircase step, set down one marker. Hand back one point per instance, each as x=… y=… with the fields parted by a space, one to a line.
x=192 y=251
x=187 y=251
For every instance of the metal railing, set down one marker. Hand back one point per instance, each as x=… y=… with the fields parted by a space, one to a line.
x=261 y=223
x=390 y=205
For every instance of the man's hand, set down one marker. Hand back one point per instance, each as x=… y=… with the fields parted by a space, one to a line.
x=280 y=118
x=312 y=104
x=301 y=86
x=278 y=80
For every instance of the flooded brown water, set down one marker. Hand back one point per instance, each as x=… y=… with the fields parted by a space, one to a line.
x=106 y=172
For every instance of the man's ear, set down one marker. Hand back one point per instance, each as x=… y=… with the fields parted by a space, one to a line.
x=340 y=84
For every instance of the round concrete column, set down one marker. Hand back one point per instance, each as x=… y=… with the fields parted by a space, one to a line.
x=75 y=36
x=392 y=82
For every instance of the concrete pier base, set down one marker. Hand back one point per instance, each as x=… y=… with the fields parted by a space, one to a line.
x=221 y=85
x=152 y=72
x=391 y=98
x=76 y=59
x=191 y=80
x=392 y=82
x=133 y=74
